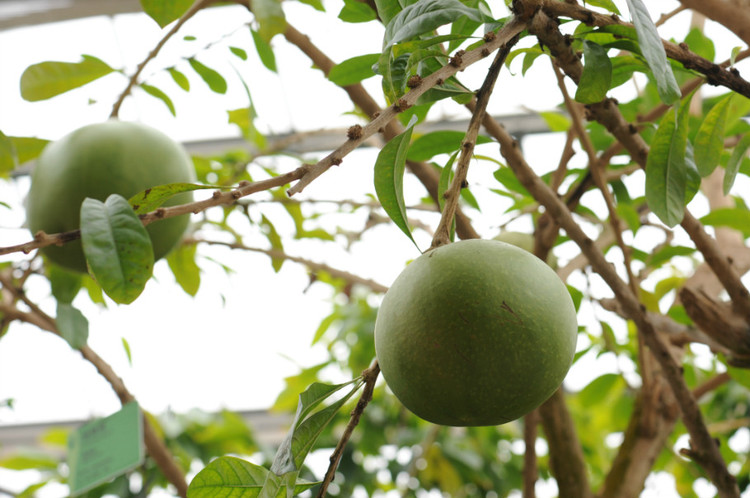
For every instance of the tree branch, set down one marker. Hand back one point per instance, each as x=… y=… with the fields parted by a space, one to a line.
x=732 y=17
x=155 y=446
x=442 y=232
x=198 y=5
x=359 y=97
x=503 y=36
x=370 y=376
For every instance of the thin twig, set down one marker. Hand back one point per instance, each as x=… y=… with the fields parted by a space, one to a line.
x=218 y=198
x=370 y=376
x=442 y=232
x=504 y=35
x=312 y=265
x=198 y=5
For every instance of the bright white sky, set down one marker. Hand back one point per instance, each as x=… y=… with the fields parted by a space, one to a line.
x=233 y=344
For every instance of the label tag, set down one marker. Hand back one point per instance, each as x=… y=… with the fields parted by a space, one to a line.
x=105 y=448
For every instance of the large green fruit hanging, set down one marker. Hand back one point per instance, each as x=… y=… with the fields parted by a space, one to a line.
x=96 y=161
x=478 y=332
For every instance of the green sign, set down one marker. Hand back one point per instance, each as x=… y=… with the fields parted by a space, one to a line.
x=105 y=448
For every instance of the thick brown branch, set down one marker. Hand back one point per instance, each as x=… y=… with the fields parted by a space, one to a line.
x=714 y=73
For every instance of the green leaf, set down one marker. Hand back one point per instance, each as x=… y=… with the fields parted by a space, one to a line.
x=555 y=121
x=736 y=218
x=186 y=271
x=29 y=461
x=596 y=76
x=65 y=284
x=692 y=177
x=270 y=18
x=72 y=325
x=275 y=239
x=740 y=375
x=733 y=166
x=355 y=11
x=389 y=178
x=307 y=427
x=165 y=11
x=117 y=247
x=150 y=199
x=179 y=78
x=653 y=52
x=353 y=70
x=425 y=16
x=231 y=476
x=666 y=172
x=128 y=353
x=700 y=44
x=155 y=92
x=239 y=52
x=605 y=4
x=387 y=10
x=265 y=52
x=709 y=141
x=47 y=79
x=8 y=156
x=431 y=144
x=213 y=79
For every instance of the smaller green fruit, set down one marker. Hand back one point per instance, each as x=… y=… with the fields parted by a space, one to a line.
x=477 y=332
x=113 y=157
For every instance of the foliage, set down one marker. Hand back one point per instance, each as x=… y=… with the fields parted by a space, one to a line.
x=662 y=309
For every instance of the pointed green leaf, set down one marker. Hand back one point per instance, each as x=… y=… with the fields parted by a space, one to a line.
x=231 y=476
x=47 y=79
x=213 y=79
x=654 y=53
x=156 y=92
x=239 y=52
x=128 y=353
x=356 y=11
x=275 y=239
x=165 y=11
x=150 y=199
x=733 y=166
x=305 y=431
x=709 y=141
x=186 y=271
x=666 y=175
x=265 y=52
x=431 y=144
x=353 y=70
x=28 y=148
x=425 y=16
x=179 y=78
x=72 y=325
x=596 y=76
x=389 y=178
x=117 y=247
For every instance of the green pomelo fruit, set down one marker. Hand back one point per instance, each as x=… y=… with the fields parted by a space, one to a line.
x=478 y=332
x=526 y=242
x=96 y=161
